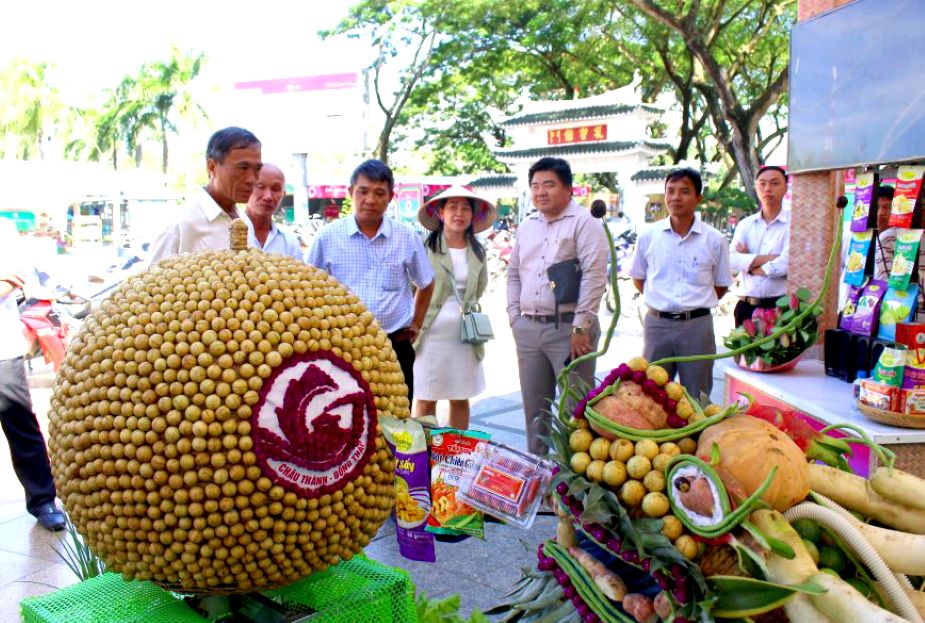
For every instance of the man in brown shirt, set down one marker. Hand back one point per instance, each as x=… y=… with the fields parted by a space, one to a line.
x=559 y=230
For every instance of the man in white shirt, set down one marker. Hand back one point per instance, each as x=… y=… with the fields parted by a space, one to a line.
x=233 y=162
x=681 y=266
x=27 y=446
x=265 y=199
x=761 y=247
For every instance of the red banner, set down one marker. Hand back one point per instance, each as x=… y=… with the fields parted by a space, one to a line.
x=327 y=192
x=583 y=134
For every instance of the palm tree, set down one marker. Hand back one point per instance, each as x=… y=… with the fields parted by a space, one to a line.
x=164 y=97
x=30 y=107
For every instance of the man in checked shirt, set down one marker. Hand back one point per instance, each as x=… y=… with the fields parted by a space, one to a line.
x=761 y=247
x=379 y=259
x=559 y=230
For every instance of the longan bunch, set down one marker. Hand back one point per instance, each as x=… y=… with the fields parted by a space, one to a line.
x=636 y=472
x=150 y=423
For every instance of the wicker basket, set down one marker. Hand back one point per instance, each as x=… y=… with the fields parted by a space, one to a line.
x=891 y=417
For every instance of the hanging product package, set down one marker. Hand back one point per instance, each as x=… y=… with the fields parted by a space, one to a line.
x=408 y=444
x=451 y=461
x=865 y=316
x=907 y=195
x=897 y=306
x=857 y=260
x=905 y=255
x=846 y=322
x=864 y=197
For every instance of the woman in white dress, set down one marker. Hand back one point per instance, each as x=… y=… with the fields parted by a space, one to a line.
x=444 y=367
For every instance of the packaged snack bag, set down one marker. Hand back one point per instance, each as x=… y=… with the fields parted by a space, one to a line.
x=508 y=484
x=846 y=322
x=913 y=402
x=914 y=373
x=868 y=308
x=864 y=197
x=904 y=256
x=878 y=395
x=858 y=258
x=889 y=368
x=908 y=189
x=451 y=461
x=406 y=440
x=898 y=306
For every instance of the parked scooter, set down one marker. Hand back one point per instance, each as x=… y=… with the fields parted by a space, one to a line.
x=45 y=314
x=624 y=246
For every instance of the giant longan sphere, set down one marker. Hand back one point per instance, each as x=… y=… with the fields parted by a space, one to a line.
x=214 y=425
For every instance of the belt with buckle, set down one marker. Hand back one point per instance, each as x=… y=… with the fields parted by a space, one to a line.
x=566 y=317
x=685 y=315
x=766 y=302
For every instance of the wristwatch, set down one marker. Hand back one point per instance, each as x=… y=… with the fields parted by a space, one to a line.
x=579 y=331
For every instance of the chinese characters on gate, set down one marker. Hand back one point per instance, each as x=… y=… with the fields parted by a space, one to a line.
x=581 y=134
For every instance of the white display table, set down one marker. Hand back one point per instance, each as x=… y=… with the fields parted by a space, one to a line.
x=808 y=390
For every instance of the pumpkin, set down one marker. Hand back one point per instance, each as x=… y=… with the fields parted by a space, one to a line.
x=748 y=449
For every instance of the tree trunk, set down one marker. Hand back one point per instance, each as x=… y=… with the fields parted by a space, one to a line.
x=163 y=150
x=138 y=155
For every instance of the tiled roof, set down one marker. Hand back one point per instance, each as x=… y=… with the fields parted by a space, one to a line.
x=659 y=173
x=653 y=173
x=494 y=180
x=579 y=148
x=573 y=114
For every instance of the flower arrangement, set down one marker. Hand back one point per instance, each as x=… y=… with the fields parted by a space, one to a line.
x=789 y=344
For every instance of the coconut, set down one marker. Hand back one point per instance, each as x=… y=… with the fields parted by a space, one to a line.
x=748 y=449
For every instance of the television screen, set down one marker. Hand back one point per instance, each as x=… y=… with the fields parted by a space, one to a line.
x=857 y=86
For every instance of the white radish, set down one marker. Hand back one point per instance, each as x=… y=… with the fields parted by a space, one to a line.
x=843 y=603
x=899 y=486
x=854 y=493
x=792 y=571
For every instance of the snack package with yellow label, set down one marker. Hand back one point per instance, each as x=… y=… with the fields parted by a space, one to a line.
x=904 y=257
x=857 y=261
x=907 y=195
x=865 y=195
x=408 y=444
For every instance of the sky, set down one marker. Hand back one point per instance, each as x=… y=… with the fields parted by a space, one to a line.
x=93 y=44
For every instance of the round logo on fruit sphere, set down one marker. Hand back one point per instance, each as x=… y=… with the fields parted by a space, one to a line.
x=314 y=427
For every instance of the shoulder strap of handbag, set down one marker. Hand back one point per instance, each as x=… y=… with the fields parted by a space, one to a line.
x=462 y=305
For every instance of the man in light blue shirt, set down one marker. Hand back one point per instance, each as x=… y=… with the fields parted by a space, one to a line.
x=265 y=199
x=379 y=258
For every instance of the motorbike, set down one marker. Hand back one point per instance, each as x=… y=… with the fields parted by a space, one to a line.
x=498 y=249
x=624 y=244
x=46 y=315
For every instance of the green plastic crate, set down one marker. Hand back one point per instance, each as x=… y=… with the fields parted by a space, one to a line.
x=357 y=591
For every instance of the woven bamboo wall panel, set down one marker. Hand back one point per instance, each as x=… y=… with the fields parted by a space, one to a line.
x=812 y=230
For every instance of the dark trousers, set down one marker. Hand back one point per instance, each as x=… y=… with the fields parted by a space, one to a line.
x=27 y=446
x=743 y=311
x=404 y=350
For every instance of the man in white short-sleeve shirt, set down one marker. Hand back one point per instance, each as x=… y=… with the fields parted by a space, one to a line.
x=681 y=266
